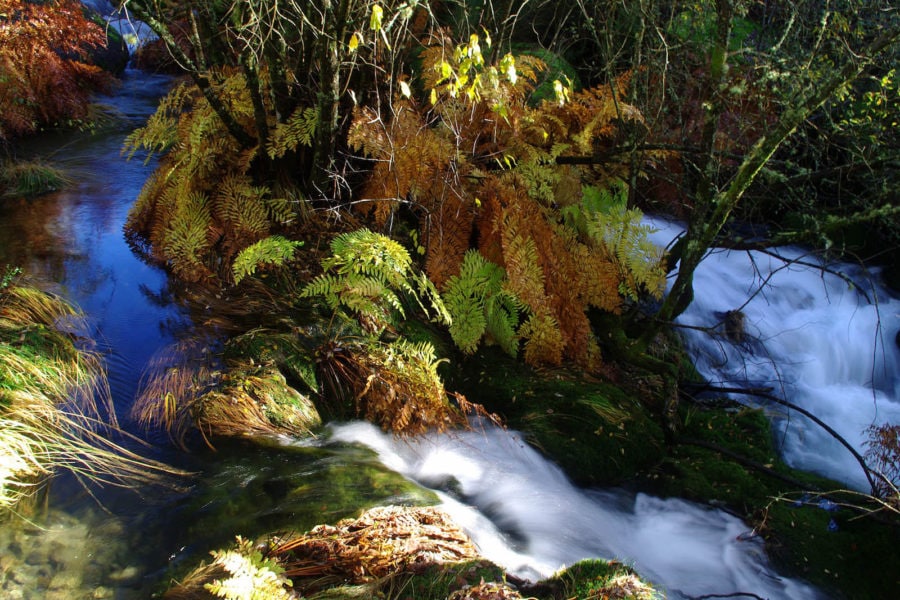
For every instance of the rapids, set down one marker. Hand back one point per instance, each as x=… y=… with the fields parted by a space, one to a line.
x=525 y=515
x=826 y=341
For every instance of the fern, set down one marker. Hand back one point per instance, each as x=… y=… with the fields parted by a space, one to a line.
x=251 y=576
x=480 y=305
x=185 y=238
x=297 y=131
x=367 y=273
x=626 y=242
x=273 y=250
x=242 y=206
x=543 y=340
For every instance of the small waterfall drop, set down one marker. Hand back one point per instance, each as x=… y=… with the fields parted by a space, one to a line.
x=525 y=515
x=825 y=340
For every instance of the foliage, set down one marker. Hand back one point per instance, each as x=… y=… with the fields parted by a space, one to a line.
x=251 y=575
x=477 y=162
x=201 y=208
x=45 y=78
x=624 y=239
x=26 y=179
x=55 y=408
x=273 y=250
x=302 y=65
x=482 y=306
x=394 y=385
x=239 y=573
x=368 y=274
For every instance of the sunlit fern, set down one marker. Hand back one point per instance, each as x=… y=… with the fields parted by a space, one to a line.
x=482 y=305
x=273 y=250
x=371 y=276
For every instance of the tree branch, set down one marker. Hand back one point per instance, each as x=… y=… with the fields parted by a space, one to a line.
x=766 y=394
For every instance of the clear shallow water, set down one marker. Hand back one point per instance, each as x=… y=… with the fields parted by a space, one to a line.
x=521 y=510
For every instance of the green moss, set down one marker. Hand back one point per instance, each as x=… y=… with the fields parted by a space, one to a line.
x=858 y=558
x=437 y=581
x=598 y=579
x=291 y=352
x=596 y=432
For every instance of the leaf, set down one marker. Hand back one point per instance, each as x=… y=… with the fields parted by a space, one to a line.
x=273 y=250
x=376 y=18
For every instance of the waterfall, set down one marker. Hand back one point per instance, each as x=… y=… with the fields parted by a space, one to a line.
x=825 y=340
x=134 y=32
x=524 y=514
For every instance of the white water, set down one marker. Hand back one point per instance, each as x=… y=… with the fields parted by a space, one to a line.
x=818 y=342
x=526 y=516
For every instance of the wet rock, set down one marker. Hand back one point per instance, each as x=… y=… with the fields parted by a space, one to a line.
x=126 y=576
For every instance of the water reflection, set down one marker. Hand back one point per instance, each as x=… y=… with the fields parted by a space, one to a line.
x=71 y=242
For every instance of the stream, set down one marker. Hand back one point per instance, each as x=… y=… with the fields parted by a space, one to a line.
x=519 y=508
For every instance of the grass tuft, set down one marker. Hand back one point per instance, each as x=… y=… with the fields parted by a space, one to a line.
x=28 y=179
x=55 y=407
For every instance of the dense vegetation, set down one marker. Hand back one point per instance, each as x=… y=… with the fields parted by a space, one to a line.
x=478 y=170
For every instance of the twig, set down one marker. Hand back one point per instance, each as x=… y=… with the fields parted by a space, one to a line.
x=766 y=393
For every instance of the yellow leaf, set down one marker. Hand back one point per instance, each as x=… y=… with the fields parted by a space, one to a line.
x=404 y=89
x=354 y=42
x=377 y=16
x=433 y=96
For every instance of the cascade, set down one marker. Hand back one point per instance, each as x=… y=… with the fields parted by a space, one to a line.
x=525 y=515
x=824 y=340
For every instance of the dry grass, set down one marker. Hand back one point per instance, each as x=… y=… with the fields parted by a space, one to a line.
x=382 y=542
x=55 y=408
x=183 y=391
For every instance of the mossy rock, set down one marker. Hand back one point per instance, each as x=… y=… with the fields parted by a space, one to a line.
x=253 y=491
x=595 y=431
x=596 y=578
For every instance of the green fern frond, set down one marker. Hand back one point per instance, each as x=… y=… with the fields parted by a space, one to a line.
x=368 y=273
x=280 y=210
x=502 y=314
x=480 y=305
x=326 y=285
x=298 y=130
x=626 y=240
x=273 y=250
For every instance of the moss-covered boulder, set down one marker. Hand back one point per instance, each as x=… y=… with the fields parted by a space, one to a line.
x=390 y=552
x=813 y=529
x=598 y=433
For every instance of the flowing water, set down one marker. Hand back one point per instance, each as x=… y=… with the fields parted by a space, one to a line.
x=825 y=340
x=521 y=509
